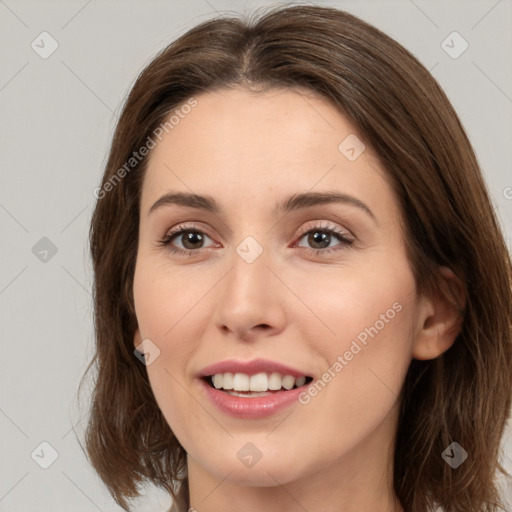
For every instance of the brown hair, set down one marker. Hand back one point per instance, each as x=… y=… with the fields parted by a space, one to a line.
x=402 y=113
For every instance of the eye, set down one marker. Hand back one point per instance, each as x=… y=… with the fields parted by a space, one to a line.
x=320 y=239
x=192 y=240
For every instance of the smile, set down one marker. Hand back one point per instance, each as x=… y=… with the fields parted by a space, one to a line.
x=252 y=389
x=260 y=384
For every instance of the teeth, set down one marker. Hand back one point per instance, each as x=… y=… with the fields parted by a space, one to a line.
x=228 y=381
x=218 y=380
x=241 y=382
x=300 y=381
x=288 y=382
x=274 y=381
x=258 y=383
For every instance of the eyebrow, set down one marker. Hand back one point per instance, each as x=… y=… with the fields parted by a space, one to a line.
x=294 y=202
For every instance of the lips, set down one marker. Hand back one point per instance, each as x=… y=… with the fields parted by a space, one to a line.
x=250 y=368
x=252 y=389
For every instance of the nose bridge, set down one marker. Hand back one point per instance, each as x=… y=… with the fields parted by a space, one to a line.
x=248 y=282
x=249 y=295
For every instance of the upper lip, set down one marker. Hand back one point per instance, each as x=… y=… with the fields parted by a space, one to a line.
x=251 y=367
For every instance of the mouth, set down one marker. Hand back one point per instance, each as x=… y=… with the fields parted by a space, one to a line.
x=256 y=385
x=254 y=389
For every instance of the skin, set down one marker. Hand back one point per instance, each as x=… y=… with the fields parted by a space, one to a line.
x=248 y=151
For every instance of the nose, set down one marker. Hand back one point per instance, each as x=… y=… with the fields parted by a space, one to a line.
x=250 y=302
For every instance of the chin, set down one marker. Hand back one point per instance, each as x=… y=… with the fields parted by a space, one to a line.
x=268 y=471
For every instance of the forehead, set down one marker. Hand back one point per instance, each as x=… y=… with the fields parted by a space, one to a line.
x=243 y=143
x=277 y=119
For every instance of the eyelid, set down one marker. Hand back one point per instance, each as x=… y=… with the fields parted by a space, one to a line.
x=178 y=230
x=345 y=237
x=325 y=225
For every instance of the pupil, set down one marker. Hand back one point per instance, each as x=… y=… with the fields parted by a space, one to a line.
x=319 y=237
x=189 y=239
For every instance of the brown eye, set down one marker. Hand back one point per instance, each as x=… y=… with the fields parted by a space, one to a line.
x=190 y=239
x=319 y=239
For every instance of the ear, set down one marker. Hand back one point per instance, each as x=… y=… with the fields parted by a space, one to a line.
x=440 y=317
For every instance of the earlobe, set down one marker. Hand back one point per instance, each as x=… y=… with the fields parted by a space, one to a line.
x=441 y=317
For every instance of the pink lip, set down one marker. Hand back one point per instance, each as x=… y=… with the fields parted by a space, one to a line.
x=250 y=408
x=250 y=368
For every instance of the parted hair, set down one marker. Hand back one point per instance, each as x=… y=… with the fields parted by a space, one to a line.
x=402 y=113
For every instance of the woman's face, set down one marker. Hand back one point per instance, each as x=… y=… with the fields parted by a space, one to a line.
x=264 y=289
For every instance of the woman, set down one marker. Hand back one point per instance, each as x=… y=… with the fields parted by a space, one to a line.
x=302 y=296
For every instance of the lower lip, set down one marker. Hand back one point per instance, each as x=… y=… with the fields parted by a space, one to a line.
x=251 y=407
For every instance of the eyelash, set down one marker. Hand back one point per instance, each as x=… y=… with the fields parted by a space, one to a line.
x=343 y=237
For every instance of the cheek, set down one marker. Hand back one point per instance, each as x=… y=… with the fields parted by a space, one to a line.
x=365 y=367
x=166 y=302
x=375 y=302
x=371 y=318
x=170 y=310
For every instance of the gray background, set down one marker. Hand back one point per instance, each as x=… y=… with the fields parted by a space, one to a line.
x=57 y=118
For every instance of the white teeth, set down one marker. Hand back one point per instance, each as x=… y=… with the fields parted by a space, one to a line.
x=218 y=380
x=228 y=381
x=258 y=383
x=252 y=394
x=241 y=382
x=288 y=382
x=298 y=382
x=274 y=381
